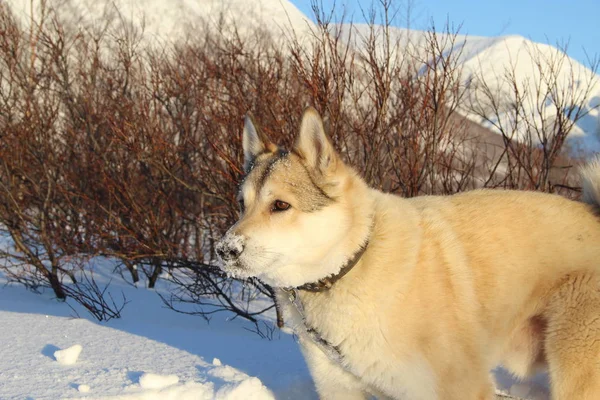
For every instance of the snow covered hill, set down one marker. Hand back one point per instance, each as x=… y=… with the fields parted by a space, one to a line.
x=483 y=59
x=494 y=62
x=173 y=20
x=490 y=58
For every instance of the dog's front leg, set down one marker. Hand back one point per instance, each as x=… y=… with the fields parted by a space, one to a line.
x=331 y=380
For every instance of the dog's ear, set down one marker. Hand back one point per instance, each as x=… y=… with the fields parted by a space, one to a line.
x=254 y=143
x=313 y=144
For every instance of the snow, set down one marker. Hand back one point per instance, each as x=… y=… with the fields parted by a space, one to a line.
x=150 y=353
x=161 y=20
x=188 y=391
x=155 y=381
x=247 y=389
x=83 y=388
x=68 y=356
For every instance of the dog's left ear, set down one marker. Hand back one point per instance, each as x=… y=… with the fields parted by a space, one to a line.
x=254 y=143
x=313 y=144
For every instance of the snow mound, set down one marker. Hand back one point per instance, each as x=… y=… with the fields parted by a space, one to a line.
x=187 y=391
x=248 y=389
x=155 y=381
x=68 y=356
x=83 y=388
x=240 y=386
x=228 y=373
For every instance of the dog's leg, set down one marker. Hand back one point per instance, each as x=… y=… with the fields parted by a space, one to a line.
x=332 y=382
x=471 y=387
x=572 y=342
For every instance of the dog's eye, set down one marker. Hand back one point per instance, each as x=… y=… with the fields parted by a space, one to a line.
x=242 y=205
x=279 y=205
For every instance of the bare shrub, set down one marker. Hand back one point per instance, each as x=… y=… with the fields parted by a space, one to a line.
x=34 y=205
x=116 y=148
x=534 y=116
x=96 y=299
x=391 y=104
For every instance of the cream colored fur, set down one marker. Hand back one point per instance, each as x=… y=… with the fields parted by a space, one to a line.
x=449 y=287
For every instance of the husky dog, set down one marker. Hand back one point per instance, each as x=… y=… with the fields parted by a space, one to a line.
x=419 y=298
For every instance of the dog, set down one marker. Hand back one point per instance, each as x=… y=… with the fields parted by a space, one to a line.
x=419 y=298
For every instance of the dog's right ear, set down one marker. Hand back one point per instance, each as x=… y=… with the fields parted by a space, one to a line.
x=313 y=145
x=254 y=143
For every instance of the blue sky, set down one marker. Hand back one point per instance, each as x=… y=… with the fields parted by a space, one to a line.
x=546 y=21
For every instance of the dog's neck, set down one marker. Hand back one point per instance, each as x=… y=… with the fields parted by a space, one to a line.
x=327 y=282
x=347 y=258
x=332 y=352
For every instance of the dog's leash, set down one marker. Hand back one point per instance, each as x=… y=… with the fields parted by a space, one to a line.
x=332 y=352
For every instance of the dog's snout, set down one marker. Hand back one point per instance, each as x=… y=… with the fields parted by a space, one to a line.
x=228 y=254
x=230 y=247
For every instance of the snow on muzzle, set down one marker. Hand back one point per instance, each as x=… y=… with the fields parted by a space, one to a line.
x=230 y=247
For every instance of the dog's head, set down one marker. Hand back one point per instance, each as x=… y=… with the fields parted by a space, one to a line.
x=300 y=220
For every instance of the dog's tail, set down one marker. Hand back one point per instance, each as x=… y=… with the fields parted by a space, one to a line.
x=590 y=181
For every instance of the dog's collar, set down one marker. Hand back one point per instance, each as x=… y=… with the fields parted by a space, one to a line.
x=326 y=283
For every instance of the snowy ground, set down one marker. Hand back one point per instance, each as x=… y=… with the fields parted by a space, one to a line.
x=150 y=353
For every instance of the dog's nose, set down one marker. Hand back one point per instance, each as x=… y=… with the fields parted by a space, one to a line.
x=228 y=254
x=229 y=248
